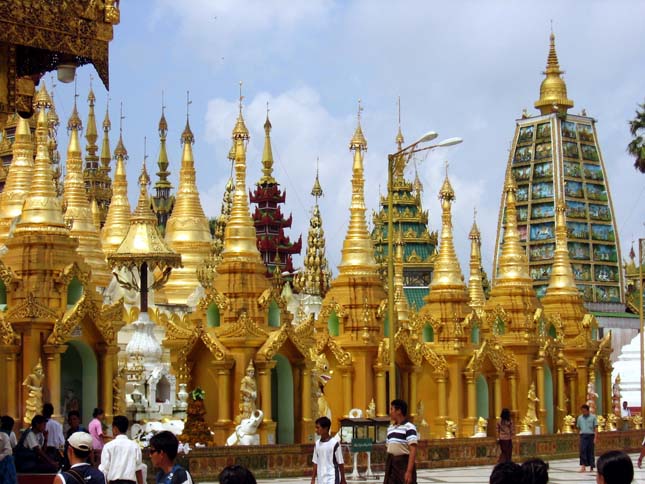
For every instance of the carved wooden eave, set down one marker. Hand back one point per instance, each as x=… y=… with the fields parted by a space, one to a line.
x=31 y=309
x=410 y=344
x=550 y=348
x=325 y=341
x=7 y=335
x=583 y=339
x=326 y=311
x=494 y=317
x=244 y=327
x=113 y=315
x=45 y=34
x=305 y=326
x=274 y=294
x=212 y=295
x=72 y=318
x=178 y=329
x=211 y=342
x=603 y=353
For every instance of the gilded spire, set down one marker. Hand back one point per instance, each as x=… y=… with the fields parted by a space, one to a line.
x=267 y=155
x=118 y=216
x=78 y=211
x=399 y=135
x=187 y=230
x=41 y=212
x=96 y=214
x=162 y=185
x=91 y=134
x=561 y=280
x=18 y=179
x=53 y=122
x=314 y=279
x=513 y=265
x=358 y=250
x=553 y=90
x=239 y=236
x=105 y=145
x=447 y=272
x=475 y=288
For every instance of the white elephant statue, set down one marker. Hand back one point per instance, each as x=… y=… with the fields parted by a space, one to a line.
x=246 y=433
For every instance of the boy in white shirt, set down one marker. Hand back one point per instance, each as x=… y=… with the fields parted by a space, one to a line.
x=329 y=465
x=121 y=457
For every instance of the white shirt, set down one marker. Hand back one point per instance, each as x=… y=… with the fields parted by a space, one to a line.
x=327 y=456
x=625 y=412
x=13 y=439
x=5 y=446
x=120 y=459
x=34 y=439
x=55 y=437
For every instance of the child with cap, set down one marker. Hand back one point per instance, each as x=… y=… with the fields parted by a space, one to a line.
x=80 y=472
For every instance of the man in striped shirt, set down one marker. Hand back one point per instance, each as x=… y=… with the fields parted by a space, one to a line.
x=401 y=442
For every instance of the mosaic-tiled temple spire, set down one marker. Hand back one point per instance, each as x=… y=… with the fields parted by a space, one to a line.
x=556 y=154
x=78 y=212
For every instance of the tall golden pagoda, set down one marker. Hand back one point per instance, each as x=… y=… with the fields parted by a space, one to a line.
x=555 y=152
x=187 y=231
x=356 y=296
x=117 y=220
x=241 y=272
x=18 y=179
x=78 y=212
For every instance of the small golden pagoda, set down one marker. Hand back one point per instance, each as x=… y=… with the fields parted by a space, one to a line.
x=19 y=178
x=354 y=305
x=162 y=201
x=78 y=212
x=475 y=286
x=117 y=221
x=187 y=231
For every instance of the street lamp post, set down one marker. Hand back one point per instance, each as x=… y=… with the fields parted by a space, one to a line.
x=404 y=153
x=641 y=252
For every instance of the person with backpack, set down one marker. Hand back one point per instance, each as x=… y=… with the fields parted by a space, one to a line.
x=30 y=454
x=163 y=450
x=78 y=452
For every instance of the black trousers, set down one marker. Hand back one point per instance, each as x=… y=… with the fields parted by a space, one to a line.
x=395 y=467
x=587 y=450
x=506 y=448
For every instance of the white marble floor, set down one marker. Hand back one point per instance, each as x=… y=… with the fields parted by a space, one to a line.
x=560 y=471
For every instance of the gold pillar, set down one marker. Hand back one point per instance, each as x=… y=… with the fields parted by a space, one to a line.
x=573 y=395
x=52 y=373
x=472 y=397
x=107 y=364
x=497 y=388
x=561 y=404
x=381 y=403
x=514 y=403
x=306 y=393
x=606 y=392
x=346 y=374
x=9 y=399
x=404 y=391
x=442 y=404
x=264 y=380
x=224 y=401
x=413 y=390
x=539 y=376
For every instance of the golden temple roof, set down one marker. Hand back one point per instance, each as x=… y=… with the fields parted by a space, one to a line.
x=267 y=156
x=553 y=90
x=41 y=212
x=19 y=178
x=117 y=221
x=561 y=280
x=143 y=242
x=358 y=249
x=78 y=212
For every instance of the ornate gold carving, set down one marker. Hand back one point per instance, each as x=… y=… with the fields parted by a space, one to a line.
x=7 y=335
x=69 y=321
x=437 y=362
x=30 y=308
x=222 y=302
x=243 y=327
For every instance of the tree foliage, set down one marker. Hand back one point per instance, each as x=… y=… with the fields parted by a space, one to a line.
x=636 y=147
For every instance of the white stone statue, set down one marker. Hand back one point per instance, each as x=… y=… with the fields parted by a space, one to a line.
x=246 y=433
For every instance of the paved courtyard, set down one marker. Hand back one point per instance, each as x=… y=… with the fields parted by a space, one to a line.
x=560 y=471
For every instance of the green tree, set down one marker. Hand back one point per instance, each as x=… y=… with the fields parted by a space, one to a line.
x=636 y=147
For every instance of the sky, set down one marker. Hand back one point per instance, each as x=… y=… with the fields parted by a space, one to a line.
x=460 y=68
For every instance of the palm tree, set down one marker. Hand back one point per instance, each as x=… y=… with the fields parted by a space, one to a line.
x=636 y=147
